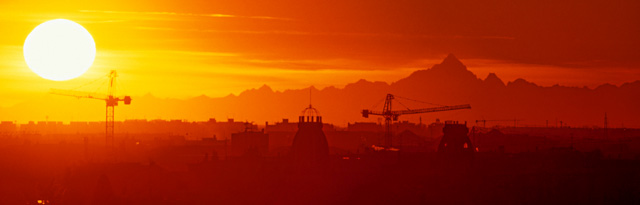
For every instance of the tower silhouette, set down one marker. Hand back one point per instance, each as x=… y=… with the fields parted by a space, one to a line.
x=310 y=143
x=455 y=141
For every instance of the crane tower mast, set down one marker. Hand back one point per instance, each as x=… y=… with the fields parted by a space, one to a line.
x=110 y=99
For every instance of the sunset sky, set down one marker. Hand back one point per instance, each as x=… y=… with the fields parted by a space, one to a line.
x=181 y=49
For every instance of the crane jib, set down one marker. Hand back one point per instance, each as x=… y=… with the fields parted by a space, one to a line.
x=366 y=113
x=110 y=99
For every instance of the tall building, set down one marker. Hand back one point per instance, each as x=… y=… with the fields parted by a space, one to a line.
x=455 y=141
x=310 y=143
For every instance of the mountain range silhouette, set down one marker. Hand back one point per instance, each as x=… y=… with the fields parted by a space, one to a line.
x=447 y=83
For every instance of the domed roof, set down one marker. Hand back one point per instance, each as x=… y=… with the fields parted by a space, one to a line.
x=310 y=143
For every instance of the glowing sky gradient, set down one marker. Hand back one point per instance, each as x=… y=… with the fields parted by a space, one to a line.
x=182 y=49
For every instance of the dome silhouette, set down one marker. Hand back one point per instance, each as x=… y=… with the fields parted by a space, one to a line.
x=310 y=143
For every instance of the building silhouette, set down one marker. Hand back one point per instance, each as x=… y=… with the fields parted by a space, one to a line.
x=455 y=141
x=249 y=143
x=310 y=143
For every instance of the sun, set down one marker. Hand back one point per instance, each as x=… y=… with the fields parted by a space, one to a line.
x=59 y=50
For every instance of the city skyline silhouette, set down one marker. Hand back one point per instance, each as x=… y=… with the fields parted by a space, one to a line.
x=319 y=102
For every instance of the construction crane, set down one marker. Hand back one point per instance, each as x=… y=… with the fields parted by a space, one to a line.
x=484 y=122
x=110 y=99
x=392 y=115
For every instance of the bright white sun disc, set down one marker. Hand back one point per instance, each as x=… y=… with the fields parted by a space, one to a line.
x=59 y=50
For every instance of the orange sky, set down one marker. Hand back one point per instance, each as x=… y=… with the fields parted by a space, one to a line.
x=188 y=48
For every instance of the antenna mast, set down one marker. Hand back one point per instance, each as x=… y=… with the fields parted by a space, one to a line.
x=310 y=95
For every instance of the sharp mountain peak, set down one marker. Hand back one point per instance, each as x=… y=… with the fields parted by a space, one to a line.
x=452 y=62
